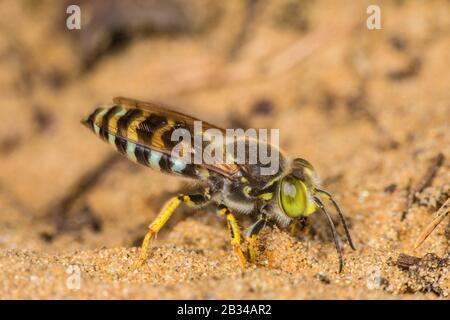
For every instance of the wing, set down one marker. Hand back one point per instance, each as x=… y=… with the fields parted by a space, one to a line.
x=151 y=125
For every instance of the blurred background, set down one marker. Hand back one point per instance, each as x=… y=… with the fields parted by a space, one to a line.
x=369 y=108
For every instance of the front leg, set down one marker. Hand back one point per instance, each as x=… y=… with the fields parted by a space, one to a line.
x=235 y=233
x=250 y=235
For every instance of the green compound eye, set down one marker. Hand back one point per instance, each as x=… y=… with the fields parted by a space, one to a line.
x=292 y=197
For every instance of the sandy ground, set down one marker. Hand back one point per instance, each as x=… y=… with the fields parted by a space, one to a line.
x=369 y=108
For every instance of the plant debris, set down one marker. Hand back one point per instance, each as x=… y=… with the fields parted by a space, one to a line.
x=427 y=274
x=440 y=216
x=424 y=182
x=406 y=261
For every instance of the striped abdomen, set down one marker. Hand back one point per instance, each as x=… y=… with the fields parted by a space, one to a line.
x=132 y=131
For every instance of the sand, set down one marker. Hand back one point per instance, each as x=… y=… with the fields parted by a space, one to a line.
x=369 y=108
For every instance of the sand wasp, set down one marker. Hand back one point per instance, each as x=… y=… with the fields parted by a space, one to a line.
x=142 y=131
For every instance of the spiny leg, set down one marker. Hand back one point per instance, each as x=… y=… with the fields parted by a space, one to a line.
x=164 y=215
x=250 y=235
x=235 y=233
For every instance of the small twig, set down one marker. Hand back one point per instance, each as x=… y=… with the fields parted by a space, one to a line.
x=441 y=214
x=15 y=201
x=406 y=261
x=86 y=182
x=424 y=182
x=241 y=38
x=266 y=65
x=297 y=52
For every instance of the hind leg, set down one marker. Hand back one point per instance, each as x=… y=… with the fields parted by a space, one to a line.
x=195 y=200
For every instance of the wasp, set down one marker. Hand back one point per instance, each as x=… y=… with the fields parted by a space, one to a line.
x=142 y=131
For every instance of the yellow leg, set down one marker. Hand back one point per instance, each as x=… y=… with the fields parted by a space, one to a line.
x=157 y=224
x=292 y=227
x=235 y=233
x=251 y=242
x=195 y=200
x=250 y=235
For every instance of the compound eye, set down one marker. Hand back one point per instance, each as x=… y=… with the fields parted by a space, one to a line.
x=292 y=197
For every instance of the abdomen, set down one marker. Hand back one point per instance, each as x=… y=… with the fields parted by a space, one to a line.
x=112 y=126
